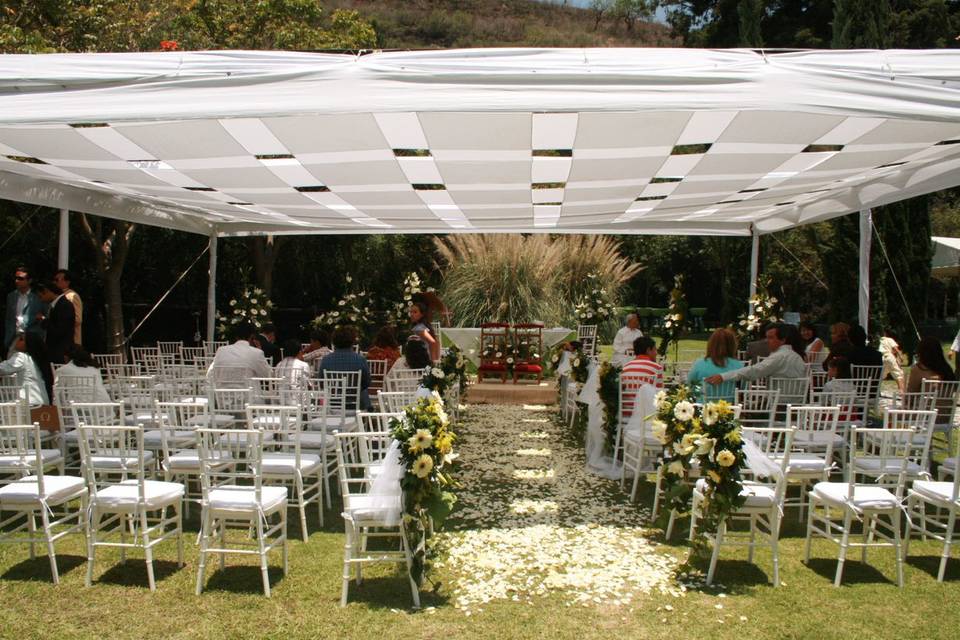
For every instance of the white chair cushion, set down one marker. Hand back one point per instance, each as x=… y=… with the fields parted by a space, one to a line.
x=47 y=457
x=360 y=508
x=283 y=463
x=949 y=463
x=57 y=489
x=116 y=462
x=759 y=496
x=243 y=499
x=312 y=440
x=348 y=424
x=891 y=466
x=152 y=438
x=864 y=496
x=145 y=418
x=803 y=463
x=219 y=420
x=938 y=491
x=126 y=495
x=189 y=460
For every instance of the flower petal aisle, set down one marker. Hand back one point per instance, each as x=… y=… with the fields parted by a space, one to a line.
x=532 y=523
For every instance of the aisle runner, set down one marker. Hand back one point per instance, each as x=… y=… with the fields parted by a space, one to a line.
x=532 y=522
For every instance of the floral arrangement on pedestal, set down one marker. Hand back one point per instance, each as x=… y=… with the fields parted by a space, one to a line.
x=352 y=309
x=597 y=305
x=412 y=285
x=711 y=436
x=676 y=323
x=426 y=452
x=454 y=364
x=766 y=309
x=609 y=392
x=252 y=306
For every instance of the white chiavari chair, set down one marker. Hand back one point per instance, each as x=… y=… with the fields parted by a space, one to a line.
x=236 y=497
x=378 y=371
x=179 y=422
x=932 y=509
x=811 y=455
x=400 y=379
x=52 y=497
x=946 y=394
x=396 y=401
x=365 y=516
x=343 y=398
x=171 y=348
x=763 y=506
x=133 y=503
x=758 y=407
x=835 y=505
x=587 y=336
x=210 y=347
x=288 y=464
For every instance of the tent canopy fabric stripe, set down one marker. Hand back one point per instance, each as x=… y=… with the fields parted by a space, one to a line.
x=665 y=141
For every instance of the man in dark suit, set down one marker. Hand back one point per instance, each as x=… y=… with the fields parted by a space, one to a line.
x=23 y=305
x=58 y=322
x=757 y=349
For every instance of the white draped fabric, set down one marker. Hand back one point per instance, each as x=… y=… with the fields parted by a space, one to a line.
x=645 y=140
x=385 y=494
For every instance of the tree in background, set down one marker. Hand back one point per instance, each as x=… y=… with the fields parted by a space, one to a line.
x=861 y=24
x=750 y=13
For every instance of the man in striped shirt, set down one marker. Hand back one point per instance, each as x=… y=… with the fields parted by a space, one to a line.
x=645 y=361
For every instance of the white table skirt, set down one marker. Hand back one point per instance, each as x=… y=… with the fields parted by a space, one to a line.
x=468 y=339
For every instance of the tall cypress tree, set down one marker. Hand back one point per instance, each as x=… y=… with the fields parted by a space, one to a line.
x=861 y=24
x=750 y=13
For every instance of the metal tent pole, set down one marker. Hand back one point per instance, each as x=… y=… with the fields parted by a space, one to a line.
x=212 y=290
x=754 y=265
x=63 y=250
x=866 y=235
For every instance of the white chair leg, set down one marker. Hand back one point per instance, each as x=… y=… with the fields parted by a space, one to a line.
x=264 y=574
x=947 y=542
x=147 y=549
x=45 y=520
x=283 y=545
x=302 y=507
x=347 y=556
x=775 y=545
x=32 y=527
x=753 y=538
x=408 y=555
x=810 y=509
x=94 y=526
x=897 y=546
x=844 y=543
x=179 y=516
x=204 y=540
x=718 y=540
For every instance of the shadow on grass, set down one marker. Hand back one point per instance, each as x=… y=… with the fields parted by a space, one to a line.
x=38 y=569
x=391 y=592
x=239 y=578
x=736 y=576
x=133 y=572
x=854 y=571
x=931 y=565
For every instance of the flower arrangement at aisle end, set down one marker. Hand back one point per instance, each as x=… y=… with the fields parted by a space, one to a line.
x=595 y=306
x=676 y=323
x=711 y=436
x=252 y=306
x=454 y=366
x=579 y=366
x=426 y=452
x=352 y=309
x=766 y=309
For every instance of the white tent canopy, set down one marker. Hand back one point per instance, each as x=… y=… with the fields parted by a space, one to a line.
x=675 y=141
x=945 y=263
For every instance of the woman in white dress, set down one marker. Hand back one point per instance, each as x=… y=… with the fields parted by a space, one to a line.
x=29 y=360
x=814 y=345
x=81 y=365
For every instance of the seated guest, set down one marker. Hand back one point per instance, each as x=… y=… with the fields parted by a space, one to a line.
x=785 y=360
x=292 y=367
x=645 y=361
x=30 y=361
x=813 y=344
x=838 y=375
x=267 y=341
x=931 y=365
x=81 y=365
x=319 y=346
x=623 y=341
x=862 y=353
x=384 y=347
x=416 y=354
x=721 y=349
x=344 y=358
x=242 y=354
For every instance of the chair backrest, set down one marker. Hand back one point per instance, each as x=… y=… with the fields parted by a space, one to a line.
x=227 y=377
x=630 y=400
x=378 y=371
x=210 y=348
x=947 y=392
x=885 y=448
x=723 y=391
x=283 y=421
x=758 y=407
x=872 y=371
x=923 y=400
x=11 y=386
x=104 y=360
x=268 y=390
x=122 y=445
x=343 y=391
x=792 y=390
x=170 y=347
x=69 y=389
x=357 y=453
x=135 y=391
x=147 y=358
x=404 y=379
x=922 y=423
x=189 y=355
x=817 y=357
x=15 y=412
x=243 y=447
x=494 y=337
x=97 y=413
x=528 y=343
x=377 y=422
x=396 y=401
x=229 y=402
x=587 y=335
x=868 y=393
x=815 y=427
x=776 y=443
x=19 y=455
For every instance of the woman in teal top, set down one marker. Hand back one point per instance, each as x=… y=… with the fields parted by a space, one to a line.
x=721 y=349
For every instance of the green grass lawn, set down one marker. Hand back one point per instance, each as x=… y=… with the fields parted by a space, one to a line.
x=305 y=603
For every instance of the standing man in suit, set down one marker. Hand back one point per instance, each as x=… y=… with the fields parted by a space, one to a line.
x=62 y=280
x=59 y=322
x=23 y=305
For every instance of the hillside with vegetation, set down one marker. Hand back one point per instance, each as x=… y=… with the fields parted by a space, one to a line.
x=417 y=24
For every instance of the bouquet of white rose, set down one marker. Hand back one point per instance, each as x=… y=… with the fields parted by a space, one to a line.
x=352 y=309
x=252 y=306
x=596 y=306
x=766 y=309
